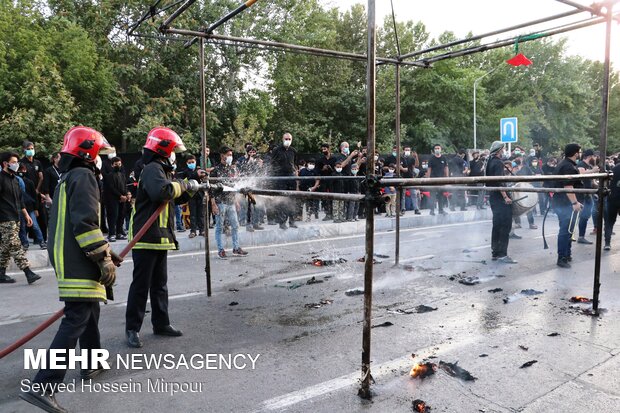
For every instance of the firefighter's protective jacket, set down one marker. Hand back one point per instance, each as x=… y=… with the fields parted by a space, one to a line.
x=154 y=188
x=73 y=232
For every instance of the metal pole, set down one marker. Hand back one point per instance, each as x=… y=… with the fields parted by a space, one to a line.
x=164 y=26
x=603 y=155
x=292 y=47
x=485 y=179
x=489 y=34
x=400 y=190
x=475 y=138
x=203 y=159
x=507 y=42
x=223 y=20
x=364 y=391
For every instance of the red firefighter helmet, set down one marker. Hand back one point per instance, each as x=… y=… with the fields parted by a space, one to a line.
x=164 y=141
x=85 y=143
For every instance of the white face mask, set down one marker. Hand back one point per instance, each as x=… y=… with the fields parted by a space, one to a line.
x=98 y=162
x=172 y=158
x=229 y=160
x=112 y=155
x=437 y=151
x=310 y=167
x=376 y=157
x=391 y=171
x=14 y=166
x=407 y=153
x=338 y=170
x=286 y=143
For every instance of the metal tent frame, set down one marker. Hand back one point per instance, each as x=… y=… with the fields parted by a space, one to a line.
x=600 y=13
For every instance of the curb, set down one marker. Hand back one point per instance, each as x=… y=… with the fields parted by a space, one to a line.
x=272 y=234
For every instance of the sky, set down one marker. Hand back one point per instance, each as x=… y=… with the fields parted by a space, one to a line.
x=482 y=16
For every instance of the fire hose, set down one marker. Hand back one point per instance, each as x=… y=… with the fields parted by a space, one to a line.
x=8 y=350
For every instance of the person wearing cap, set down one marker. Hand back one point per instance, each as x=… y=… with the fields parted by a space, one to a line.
x=586 y=165
x=567 y=205
x=501 y=206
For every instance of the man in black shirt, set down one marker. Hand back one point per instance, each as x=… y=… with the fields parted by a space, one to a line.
x=437 y=168
x=613 y=206
x=115 y=196
x=501 y=206
x=11 y=206
x=567 y=206
x=51 y=177
x=34 y=172
x=284 y=163
x=196 y=214
x=325 y=166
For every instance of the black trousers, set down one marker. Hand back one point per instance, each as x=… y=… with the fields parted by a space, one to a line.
x=80 y=323
x=196 y=214
x=115 y=217
x=613 y=208
x=150 y=276
x=502 y=223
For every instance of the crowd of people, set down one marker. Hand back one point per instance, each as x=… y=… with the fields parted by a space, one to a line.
x=230 y=212
x=66 y=201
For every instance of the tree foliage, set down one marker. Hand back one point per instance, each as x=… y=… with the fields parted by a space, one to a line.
x=71 y=62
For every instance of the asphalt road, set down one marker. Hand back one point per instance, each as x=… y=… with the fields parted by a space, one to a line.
x=309 y=358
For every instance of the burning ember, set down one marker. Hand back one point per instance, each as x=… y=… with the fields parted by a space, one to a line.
x=317 y=262
x=420 y=406
x=580 y=299
x=423 y=370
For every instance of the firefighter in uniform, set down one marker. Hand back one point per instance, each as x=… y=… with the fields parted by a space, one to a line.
x=81 y=257
x=150 y=254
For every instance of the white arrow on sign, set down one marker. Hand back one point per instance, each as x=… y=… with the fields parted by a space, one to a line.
x=512 y=130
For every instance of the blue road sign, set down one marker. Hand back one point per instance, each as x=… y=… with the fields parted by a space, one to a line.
x=508 y=129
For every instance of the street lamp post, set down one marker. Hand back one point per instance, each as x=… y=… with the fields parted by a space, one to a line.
x=475 y=85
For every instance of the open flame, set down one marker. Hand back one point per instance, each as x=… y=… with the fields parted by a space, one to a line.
x=420 y=406
x=423 y=370
x=580 y=299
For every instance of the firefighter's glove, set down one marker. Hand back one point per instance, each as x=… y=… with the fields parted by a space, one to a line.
x=102 y=256
x=116 y=259
x=108 y=271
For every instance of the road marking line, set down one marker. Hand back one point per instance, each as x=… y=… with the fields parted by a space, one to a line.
x=422 y=257
x=114 y=304
x=201 y=252
x=384 y=369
